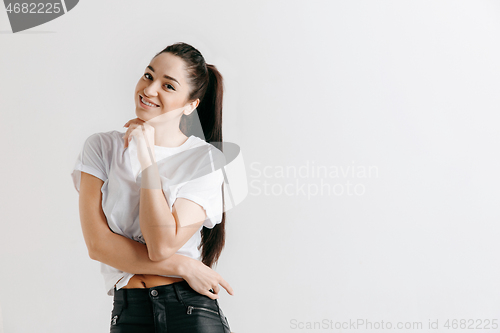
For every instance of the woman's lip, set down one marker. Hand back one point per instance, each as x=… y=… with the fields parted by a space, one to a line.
x=144 y=105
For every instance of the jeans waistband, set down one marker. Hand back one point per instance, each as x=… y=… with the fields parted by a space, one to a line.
x=164 y=291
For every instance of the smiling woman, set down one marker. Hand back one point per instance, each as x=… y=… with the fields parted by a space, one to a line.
x=157 y=245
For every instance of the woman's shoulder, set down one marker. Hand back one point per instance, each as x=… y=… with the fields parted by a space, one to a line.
x=108 y=138
x=105 y=141
x=203 y=157
x=198 y=142
x=111 y=135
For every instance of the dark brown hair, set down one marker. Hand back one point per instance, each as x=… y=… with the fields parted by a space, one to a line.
x=205 y=83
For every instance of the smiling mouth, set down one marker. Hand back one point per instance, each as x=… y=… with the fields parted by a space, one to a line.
x=147 y=103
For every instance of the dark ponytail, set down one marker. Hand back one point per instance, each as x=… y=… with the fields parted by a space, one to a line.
x=205 y=83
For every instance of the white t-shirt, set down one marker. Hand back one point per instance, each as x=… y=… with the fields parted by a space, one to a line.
x=186 y=171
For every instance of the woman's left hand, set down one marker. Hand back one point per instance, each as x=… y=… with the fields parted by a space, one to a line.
x=144 y=135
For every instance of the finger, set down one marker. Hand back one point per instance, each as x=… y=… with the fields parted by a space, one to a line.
x=216 y=289
x=209 y=294
x=127 y=123
x=134 y=127
x=129 y=134
x=127 y=142
x=124 y=137
x=226 y=286
x=132 y=122
x=148 y=127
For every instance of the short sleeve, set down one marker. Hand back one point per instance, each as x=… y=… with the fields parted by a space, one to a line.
x=207 y=192
x=90 y=160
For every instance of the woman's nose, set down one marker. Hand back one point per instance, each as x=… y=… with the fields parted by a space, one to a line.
x=151 y=90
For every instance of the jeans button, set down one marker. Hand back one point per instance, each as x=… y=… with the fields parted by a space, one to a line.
x=154 y=292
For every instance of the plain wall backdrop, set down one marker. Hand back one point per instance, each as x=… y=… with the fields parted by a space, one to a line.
x=370 y=133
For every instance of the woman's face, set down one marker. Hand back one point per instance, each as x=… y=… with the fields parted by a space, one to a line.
x=163 y=84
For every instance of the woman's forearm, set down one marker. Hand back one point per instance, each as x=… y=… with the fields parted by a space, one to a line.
x=157 y=223
x=130 y=256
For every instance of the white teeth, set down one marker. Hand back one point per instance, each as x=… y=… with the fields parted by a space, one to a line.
x=148 y=104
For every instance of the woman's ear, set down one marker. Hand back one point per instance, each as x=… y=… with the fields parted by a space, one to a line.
x=191 y=107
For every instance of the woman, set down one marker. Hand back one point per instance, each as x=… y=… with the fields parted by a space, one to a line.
x=151 y=185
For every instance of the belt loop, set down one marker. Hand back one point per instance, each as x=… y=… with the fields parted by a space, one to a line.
x=177 y=293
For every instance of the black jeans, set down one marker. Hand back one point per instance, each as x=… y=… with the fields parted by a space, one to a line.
x=172 y=308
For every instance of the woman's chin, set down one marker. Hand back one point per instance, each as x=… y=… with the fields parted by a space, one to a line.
x=141 y=113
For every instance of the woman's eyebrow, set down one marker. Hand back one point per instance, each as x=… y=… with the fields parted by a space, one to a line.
x=165 y=76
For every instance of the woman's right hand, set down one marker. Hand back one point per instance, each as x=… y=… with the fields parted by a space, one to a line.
x=202 y=278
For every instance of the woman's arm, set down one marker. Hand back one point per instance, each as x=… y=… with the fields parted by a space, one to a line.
x=103 y=244
x=130 y=256
x=165 y=231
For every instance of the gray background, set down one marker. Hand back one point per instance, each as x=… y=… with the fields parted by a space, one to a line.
x=410 y=88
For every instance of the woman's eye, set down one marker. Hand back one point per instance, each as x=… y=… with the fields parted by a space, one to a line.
x=149 y=77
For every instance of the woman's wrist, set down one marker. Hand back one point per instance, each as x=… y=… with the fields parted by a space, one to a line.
x=181 y=264
x=151 y=177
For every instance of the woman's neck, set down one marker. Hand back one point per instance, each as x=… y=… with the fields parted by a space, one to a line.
x=168 y=140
